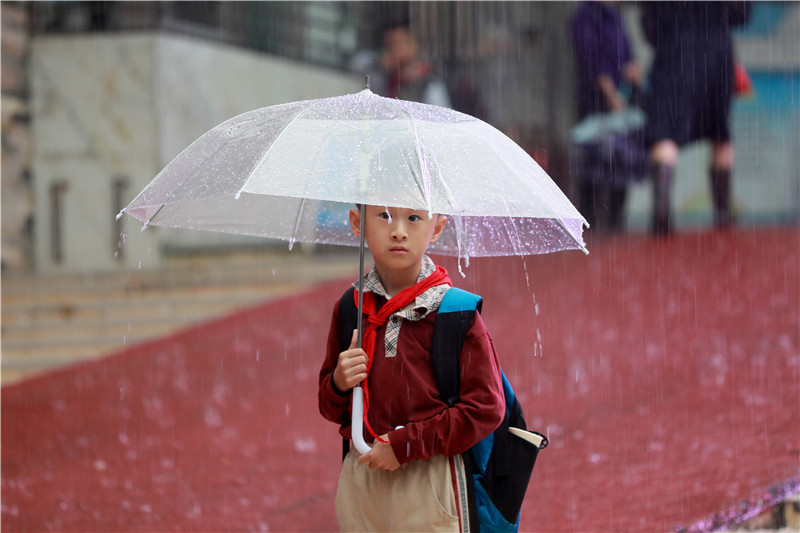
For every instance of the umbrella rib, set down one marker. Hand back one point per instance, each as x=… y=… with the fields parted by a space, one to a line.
x=154 y=215
x=297 y=223
x=571 y=236
x=274 y=142
x=426 y=190
x=418 y=149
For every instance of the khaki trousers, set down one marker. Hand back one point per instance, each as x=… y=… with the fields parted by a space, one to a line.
x=418 y=496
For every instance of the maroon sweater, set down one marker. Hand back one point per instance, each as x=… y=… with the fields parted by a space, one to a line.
x=403 y=391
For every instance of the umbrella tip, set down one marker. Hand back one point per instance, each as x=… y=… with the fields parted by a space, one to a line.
x=366 y=81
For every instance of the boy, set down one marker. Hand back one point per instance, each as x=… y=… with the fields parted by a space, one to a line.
x=413 y=477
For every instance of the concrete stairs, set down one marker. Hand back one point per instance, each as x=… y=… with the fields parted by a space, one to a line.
x=51 y=321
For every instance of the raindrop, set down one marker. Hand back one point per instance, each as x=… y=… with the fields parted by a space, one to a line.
x=308 y=445
x=195 y=511
x=212 y=417
x=596 y=458
x=539 y=340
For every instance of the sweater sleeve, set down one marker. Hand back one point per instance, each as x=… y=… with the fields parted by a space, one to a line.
x=478 y=412
x=333 y=404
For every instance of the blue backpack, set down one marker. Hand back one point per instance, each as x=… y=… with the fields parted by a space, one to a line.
x=499 y=467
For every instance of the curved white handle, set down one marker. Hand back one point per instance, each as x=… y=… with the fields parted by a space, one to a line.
x=357 y=420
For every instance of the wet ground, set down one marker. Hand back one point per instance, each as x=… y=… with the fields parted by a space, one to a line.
x=666 y=374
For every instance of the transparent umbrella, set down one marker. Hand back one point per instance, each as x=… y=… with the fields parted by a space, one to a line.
x=290 y=172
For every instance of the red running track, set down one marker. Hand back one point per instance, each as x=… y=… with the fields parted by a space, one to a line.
x=665 y=372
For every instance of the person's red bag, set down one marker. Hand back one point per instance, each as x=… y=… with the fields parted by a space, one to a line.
x=742 y=84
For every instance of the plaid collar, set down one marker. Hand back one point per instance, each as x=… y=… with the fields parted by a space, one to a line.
x=426 y=301
x=424 y=304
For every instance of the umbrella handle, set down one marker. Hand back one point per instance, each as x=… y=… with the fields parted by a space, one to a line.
x=357 y=428
x=357 y=416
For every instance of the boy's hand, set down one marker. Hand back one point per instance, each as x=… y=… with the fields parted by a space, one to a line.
x=351 y=368
x=381 y=456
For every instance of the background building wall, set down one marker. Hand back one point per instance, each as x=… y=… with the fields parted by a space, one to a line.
x=93 y=102
x=111 y=110
x=17 y=193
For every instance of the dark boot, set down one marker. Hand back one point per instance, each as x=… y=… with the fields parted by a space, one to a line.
x=616 y=209
x=721 y=195
x=662 y=186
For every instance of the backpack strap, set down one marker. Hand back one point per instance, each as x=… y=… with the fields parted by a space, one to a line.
x=348 y=318
x=452 y=323
x=453 y=320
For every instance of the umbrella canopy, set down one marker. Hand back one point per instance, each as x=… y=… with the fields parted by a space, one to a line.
x=291 y=172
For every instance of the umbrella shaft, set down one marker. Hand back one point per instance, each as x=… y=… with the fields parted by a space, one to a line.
x=360 y=274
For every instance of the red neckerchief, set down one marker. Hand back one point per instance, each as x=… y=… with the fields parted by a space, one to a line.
x=376 y=319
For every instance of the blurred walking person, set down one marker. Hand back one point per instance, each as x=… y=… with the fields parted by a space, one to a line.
x=410 y=76
x=604 y=62
x=691 y=88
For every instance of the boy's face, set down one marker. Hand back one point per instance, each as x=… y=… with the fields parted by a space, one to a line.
x=397 y=237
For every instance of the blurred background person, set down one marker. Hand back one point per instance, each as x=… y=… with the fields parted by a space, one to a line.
x=691 y=88
x=409 y=75
x=603 y=63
